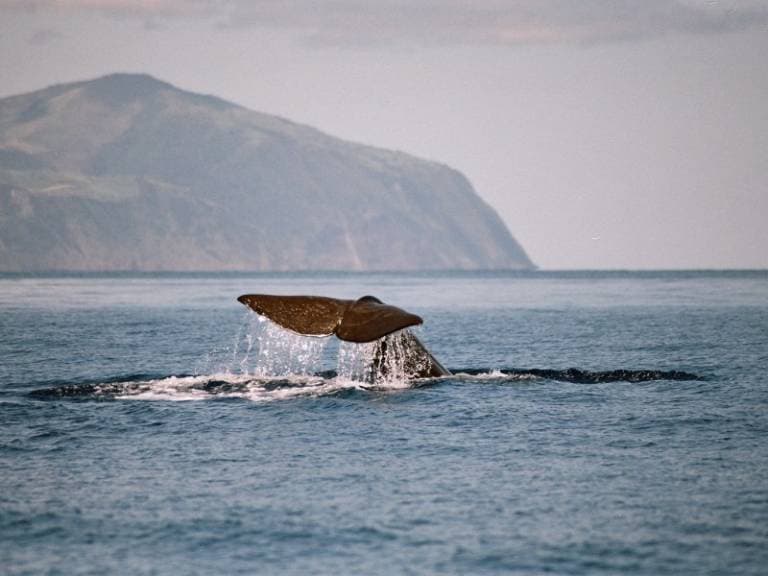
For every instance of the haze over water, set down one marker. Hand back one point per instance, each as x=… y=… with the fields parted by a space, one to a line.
x=147 y=429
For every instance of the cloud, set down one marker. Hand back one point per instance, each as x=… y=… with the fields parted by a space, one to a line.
x=499 y=22
x=123 y=8
x=425 y=22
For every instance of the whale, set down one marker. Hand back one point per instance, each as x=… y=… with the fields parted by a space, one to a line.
x=364 y=320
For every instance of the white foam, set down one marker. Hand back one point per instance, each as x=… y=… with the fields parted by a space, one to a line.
x=386 y=363
x=247 y=387
x=494 y=374
x=267 y=362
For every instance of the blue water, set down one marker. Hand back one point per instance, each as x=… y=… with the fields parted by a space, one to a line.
x=151 y=425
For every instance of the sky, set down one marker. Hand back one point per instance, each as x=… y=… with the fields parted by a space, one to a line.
x=608 y=134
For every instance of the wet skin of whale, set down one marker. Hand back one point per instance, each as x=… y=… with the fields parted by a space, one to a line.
x=364 y=320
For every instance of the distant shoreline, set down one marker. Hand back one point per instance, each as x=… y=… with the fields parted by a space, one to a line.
x=617 y=273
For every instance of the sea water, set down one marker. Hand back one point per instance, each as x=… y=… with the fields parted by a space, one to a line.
x=596 y=423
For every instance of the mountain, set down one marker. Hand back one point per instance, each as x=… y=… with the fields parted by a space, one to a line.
x=126 y=172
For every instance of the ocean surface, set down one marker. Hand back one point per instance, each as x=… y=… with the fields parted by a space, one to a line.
x=596 y=423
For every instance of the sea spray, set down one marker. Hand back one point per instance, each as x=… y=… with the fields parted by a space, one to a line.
x=354 y=362
x=273 y=351
x=261 y=348
x=386 y=362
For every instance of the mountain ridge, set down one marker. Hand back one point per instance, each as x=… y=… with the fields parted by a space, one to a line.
x=127 y=172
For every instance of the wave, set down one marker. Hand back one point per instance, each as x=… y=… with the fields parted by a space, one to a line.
x=266 y=388
x=180 y=388
x=579 y=376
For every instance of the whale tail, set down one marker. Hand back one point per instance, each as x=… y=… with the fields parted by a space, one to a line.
x=363 y=320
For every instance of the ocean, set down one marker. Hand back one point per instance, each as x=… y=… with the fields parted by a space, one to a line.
x=595 y=423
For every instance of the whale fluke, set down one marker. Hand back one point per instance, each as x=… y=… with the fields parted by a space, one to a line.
x=363 y=320
x=308 y=315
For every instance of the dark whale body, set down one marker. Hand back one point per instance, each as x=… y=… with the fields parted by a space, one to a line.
x=366 y=319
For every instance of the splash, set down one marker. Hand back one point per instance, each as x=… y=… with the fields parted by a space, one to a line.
x=263 y=349
x=188 y=388
x=273 y=351
x=264 y=362
x=383 y=363
x=329 y=383
x=269 y=360
x=355 y=362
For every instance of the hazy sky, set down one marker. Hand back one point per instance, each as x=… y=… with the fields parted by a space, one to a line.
x=607 y=134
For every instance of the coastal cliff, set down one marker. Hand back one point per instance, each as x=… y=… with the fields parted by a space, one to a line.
x=126 y=172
